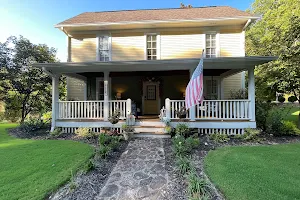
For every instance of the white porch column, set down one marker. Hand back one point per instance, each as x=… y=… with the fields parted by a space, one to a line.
x=55 y=99
x=128 y=107
x=192 y=109
x=168 y=108
x=251 y=93
x=106 y=87
x=85 y=90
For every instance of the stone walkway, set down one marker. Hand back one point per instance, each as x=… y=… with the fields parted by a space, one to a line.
x=139 y=174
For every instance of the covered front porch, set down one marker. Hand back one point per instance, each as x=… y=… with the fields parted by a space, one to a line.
x=150 y=89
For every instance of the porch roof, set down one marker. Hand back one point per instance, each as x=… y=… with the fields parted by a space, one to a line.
x=154 y=65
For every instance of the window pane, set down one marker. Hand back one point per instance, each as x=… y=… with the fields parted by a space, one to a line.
x=213 y=43
x=213 y=36
x=213 y=51
x=153 y=44
x=148 y=38
x=148 y=52
x=153 y=57
x=154 y=52
x=154 y=38
x=149 y=57
x=148 y=44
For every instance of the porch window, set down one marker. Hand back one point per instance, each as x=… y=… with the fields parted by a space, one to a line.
x=211 y=45
x=151 y=47
x=211 y=89
x=104 y=51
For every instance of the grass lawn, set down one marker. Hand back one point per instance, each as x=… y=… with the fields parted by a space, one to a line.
x=256 y=172
x=31 y=169
x=291 y=113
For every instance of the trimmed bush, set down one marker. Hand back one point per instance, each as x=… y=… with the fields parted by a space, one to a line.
x=32 y=124
x=262 y=110
x=281 y=99
x=85 y=132
x=292 y=99
x=56 y=132
x=290 y=128
x=219 y=138
x=182 y=129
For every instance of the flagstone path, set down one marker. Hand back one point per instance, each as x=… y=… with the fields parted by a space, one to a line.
x=139 y=174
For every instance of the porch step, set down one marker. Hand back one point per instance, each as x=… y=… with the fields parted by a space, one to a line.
x=150 y=123
x=148 y=129
x=151 y=135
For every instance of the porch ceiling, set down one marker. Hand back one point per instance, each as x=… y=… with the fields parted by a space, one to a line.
x=153 y=65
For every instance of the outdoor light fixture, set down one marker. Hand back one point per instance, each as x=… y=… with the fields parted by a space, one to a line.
x=119 y=96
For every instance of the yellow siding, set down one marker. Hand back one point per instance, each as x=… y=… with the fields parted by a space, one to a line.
x=230 y=44
x=128 y=46
x=232 y=83
x=83 y=49
x=75 y=89
x=181 y=46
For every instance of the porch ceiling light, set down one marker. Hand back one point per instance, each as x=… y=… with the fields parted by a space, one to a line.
x=119 y=95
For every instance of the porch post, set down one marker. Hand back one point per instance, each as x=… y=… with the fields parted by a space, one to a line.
x=168 y=108
x=128 y=107
x=251 y=93
x=192 y=109
x=106 y=105
x=55 y=99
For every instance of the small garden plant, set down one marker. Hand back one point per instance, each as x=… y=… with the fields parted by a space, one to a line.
x=85 y=132
x=219 y=138
x=107 y=143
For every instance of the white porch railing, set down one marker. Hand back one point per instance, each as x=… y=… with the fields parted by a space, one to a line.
x=80 y=109
x=214 y=109
x=92 y=109
x=120 y=105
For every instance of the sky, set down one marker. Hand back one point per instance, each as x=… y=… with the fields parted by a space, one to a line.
x=35 y=19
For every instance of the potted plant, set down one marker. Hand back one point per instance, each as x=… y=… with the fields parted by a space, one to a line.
x=181 y=113
x=115 y=117
x=130 y=120
x=127 y=131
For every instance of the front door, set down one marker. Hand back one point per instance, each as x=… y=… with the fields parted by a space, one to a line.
x=150 y=98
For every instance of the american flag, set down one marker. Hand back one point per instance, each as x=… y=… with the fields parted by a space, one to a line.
x=194 y=90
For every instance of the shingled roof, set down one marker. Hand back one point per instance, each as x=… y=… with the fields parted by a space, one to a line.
x=155 y=15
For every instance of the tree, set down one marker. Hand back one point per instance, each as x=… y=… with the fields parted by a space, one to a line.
x=24 y=89
x=276 y=33
x=185 y=6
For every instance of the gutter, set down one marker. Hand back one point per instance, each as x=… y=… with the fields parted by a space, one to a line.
x=152 y=22
x=247 y=24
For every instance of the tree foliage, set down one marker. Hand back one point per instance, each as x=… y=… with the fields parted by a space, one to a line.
x=182 y=5
x=24 y=89
x=276 y=33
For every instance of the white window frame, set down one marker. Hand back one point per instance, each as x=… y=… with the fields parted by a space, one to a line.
x=217 y=42
x=109 y=46
x=217 y=79
x=157 y=45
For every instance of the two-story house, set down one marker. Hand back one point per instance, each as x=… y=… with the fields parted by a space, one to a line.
x=140 y=61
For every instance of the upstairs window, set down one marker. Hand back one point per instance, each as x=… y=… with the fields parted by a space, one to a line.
x=151 y=47
x=104 y=51
x=211 y=46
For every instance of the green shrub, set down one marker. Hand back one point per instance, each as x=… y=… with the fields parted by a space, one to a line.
x=89 y=166
x=275 y=123
x=198 y=188
x=32 y=124
x=292 y=99
x=219 y=138
x=85 y=132
x=169 y=129
x=114 y=142
x=262 y=110
x=184 y=165
x=103 y=139
x=192 y=142
x=179 y=146
x=290 y=128
x=281 y=99
x=250 y=134
x=182 y=129
x=127 y=128
x=104 y=151
x=56 y=132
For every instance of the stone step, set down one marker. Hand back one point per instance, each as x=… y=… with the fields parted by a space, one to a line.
x=151 y=135
x=148 y=129
x=149 y=123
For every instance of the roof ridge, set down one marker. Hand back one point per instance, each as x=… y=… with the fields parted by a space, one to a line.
x=157 y=9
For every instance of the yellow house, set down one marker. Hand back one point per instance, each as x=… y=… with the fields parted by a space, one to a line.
x=140 y=62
